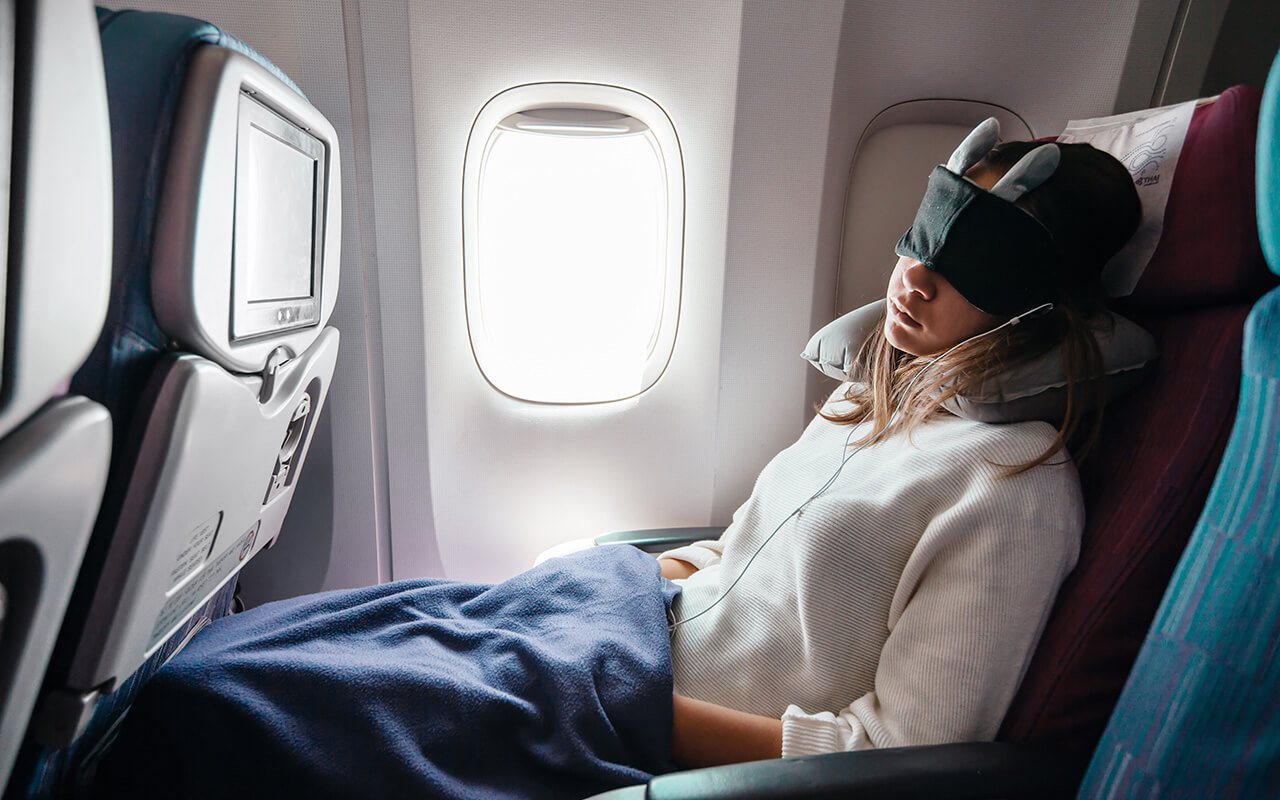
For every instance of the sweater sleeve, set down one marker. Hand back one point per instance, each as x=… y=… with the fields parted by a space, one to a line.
x=701 y=554
x=964 y=621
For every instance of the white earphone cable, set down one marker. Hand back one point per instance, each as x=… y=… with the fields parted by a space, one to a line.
x=1044 y=308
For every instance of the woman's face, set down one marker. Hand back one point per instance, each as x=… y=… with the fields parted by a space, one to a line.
x=925 y=313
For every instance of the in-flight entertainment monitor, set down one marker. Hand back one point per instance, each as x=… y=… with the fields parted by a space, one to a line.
x=279 y=224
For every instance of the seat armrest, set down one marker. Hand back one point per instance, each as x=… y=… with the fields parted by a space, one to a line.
x=938 y=772
x=659 y=540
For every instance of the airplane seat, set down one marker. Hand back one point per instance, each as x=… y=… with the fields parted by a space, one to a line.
x=1160 y=446
x=1150 y=475
x=54 y=279
x=215 y=359
x=1197 y=717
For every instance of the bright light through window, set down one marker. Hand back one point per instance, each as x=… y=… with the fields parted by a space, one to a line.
x=571 y=290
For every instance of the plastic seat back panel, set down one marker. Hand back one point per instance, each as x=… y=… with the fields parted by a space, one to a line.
x=198 y=509
x=52 y=470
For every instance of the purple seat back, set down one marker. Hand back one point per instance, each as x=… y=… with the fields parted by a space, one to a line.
x=1160 y=448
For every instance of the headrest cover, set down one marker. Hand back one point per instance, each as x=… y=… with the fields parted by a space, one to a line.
x=1148 y=143
x=998 y=256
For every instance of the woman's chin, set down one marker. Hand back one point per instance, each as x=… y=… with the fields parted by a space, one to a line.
x=900 y=337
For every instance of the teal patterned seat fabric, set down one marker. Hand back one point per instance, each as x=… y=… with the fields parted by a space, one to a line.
x=1200 y=714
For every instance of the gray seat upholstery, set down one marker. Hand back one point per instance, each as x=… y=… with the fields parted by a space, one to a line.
x=54 y=448
x=214 y=360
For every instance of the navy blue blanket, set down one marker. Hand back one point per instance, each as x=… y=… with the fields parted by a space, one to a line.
x=554 y=684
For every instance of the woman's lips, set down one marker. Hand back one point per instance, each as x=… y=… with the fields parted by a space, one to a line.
x=900 y=314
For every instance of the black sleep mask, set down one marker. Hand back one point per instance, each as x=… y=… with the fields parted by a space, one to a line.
x=998 y=256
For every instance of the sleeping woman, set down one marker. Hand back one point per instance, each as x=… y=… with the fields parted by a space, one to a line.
x=901 y=605
x=885 y=584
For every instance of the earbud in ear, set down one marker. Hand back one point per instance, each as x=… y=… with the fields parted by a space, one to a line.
x=1038 y=311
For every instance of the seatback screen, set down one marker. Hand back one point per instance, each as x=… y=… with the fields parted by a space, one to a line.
x=279 y=219
x=279 y=237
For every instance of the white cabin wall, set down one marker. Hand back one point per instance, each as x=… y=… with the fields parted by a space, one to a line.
x=748 y=89
x=786 y=72
x=380 y=39
x=508 y=478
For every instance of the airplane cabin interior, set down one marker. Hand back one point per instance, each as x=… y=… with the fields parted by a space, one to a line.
x=625 y=475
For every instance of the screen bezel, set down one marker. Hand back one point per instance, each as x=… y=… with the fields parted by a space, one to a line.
x=8 y=65
x=253 y=318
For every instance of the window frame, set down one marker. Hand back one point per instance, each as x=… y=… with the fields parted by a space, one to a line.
x=586 y=96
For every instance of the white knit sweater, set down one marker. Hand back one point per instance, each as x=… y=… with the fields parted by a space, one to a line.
x=900 y=607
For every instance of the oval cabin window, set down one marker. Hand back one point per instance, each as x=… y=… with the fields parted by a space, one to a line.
x=573 y=206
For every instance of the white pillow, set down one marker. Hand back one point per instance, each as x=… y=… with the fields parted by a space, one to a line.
x=1148 y=143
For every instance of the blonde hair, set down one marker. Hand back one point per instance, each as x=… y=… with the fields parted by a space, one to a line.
x=886 y=378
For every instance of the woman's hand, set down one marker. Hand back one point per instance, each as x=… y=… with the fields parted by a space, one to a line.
x=707 y=735
x=674 y=568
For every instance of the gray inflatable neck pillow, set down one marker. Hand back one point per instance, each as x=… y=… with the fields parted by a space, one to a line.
x=1033 y=391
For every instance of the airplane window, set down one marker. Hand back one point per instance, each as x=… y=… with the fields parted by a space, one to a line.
x=572 y=266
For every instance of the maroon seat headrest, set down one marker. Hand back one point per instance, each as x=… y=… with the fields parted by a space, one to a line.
x=1208 y=252
x=1147 y=481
